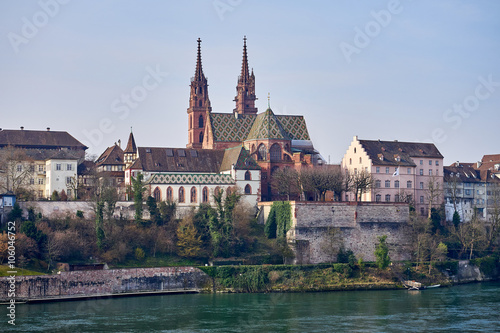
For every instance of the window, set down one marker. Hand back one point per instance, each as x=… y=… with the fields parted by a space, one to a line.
x=408 y=171
x=248 y=175
x=19 y=168
x=217 y=191
x=378 y=169
x=193 y=194
x=467 y=192
x=200 y=121
x=421 y=172
x=421 y=162
x=248 y=189
x=396 y=184
x=200 y=137
x=69 y=167
x=437 y=172
x=32 y=181
x=422 y=212
x=387 y=170
x=387 y=197
x=378 y=183
x=421 y=199
x=275 y=152
x=181 y=194
x=262 y=152
x=387 y=183
x=204 y=195
x=437 y=163
x=169 y=194
x=58 y=166
x=108 y=167
x=200 y=103
x=350 y=161
x=408 y=184
x=69 y=180
x=354 y=150
x=355 y=171
x=378 y=198
x=360 y=160
x=430 y=162
x=421 y=185
x=396 y=198
x=40 y=181
x=40 y=167
x=430 y=172
x=157 y=194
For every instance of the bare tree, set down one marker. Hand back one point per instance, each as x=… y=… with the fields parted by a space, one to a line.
x=433 y=192
x=16 y=170
x=362 y=182
x=285 y=182
x=323 y=179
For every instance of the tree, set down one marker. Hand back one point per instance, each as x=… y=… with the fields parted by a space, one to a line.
x=456 y=219
x=433 y=192
x=138 y=189
x=55 y=196
x=16 y=170
x=167 y=211
x=382 y=253
x=4 y=246
x=154 y=211
x=471 y=236
x=63 y=196
x=362 y=182
x=270 y=227
x=286 y=183
x=189 y=242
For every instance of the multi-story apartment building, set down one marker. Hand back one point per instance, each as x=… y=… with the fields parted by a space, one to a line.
x=473 y=187
x=401 y=171
x=37 y=163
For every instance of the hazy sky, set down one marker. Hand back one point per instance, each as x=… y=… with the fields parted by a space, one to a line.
x=407 y=70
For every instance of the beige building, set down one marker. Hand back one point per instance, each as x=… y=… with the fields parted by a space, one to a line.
x=402 y=171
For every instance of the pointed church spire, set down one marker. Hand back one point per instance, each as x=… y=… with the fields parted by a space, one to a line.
x=131 y=147
x=198 y=73
x=199 y=104
x=245 y=90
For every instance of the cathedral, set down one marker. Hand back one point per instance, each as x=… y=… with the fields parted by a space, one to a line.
x=274 y=141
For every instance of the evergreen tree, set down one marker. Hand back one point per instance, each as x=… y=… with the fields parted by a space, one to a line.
x=188 y=241
x=382 y=253
x=138 y=189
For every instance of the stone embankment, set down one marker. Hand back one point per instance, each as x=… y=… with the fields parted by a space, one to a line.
x=111 y=282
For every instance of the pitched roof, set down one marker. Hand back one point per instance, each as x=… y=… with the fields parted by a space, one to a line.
x=112 y=156
x=47 y=154
x=228 y=127
x=240 y=158
x=157 y=159
x=387 y=152
x=131 y=147
x=488 y=162
x=267 y=126
x=462 y=173
x=39 y=139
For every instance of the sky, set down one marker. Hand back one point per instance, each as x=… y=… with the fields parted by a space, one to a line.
x=417 y=71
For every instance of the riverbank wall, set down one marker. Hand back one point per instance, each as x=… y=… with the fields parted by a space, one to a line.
x=104 y=282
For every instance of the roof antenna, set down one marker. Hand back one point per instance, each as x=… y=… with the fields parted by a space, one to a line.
x=268 y=100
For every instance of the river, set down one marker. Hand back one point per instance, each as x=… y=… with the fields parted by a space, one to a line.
x=465 y=308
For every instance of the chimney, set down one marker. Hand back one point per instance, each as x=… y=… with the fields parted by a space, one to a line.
x=48 y=129
x=457 y=163
x=22 y=128
x=119 y=143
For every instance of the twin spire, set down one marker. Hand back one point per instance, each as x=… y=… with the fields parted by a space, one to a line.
x=245 y=90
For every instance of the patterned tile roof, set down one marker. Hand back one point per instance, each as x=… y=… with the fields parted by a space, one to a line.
x=226 y=127
x=240 y=158
x=194 y=179
x=267 y=126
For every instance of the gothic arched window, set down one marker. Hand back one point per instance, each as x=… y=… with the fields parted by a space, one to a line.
x=193 y=194
x=200 y=121
x=170 y=196
x=201 y=137
x=204 y=195
x=200 y=103
x=262 y=152
x=181 y=194
x=248 y=189
x=157 y=194
x=275 y=152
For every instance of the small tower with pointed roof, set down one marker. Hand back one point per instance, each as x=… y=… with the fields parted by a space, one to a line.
x=199 y=105
x=245 y=90
x=130 y=152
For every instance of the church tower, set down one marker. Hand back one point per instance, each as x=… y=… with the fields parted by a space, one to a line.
x=245 y=90
x=130 y=152
x=199 y=105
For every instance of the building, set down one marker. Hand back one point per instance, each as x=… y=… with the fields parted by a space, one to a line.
x=402 y=171
x=37 y=163
x=190 y=176
x=473 y=188
x=274 y=141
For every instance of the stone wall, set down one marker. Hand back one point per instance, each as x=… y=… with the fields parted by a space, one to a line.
x=356 y=226
x=78 y=283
